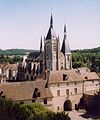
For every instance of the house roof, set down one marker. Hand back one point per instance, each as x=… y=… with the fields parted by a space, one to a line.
x=57 y=76
x=18 y=91
x=8 y=66
x=90 y=75
x=72 y=75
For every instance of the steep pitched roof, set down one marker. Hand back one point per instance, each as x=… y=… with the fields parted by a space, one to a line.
x=34 y=54
x=51 y=32
x=57 y=76
x=65 y=45
x=19 y=91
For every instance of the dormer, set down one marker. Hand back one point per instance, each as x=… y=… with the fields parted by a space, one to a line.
x=36 y=93
x=65 y=77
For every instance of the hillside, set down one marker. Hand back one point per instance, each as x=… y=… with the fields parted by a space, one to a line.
x=80 y=58
x=87 y=58
x=15 y=51
x=24 y=51
x=92 y=50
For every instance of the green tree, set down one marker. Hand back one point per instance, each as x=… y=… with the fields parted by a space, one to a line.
x=39 y=112
x=12 y=111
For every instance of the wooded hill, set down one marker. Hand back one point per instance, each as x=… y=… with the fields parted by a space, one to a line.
x=87 y=58
x=15 y=51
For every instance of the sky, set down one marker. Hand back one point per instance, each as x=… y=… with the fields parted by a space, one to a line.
x=23 y=22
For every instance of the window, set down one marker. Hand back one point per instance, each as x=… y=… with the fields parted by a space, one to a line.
x=75 y=83
x=67 y=83
x=58 y=108
x=93 y=81
x=65 y=77
x=31 y=77
x=67 y=91
x=58 y=92
x=45 y=101
x=58 y=84
x=68 y=57
x=75 y=90
x=27 y=77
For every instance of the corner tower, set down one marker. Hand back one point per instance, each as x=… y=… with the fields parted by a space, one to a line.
x=66 y=51
x=51 y=49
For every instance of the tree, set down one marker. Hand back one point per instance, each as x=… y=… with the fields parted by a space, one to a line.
x=12 y=111
x=33 y=111
x=41 y=113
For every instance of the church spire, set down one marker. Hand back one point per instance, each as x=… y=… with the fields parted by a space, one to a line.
x=65 y=45
x=65 y=30
x=41 y=44
x=51 y=32
x=51 y=21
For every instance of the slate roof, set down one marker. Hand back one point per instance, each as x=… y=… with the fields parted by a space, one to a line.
x=19 y=91
x=51 y=32
x=34 y=54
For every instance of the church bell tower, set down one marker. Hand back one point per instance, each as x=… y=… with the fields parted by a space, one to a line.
x=51 y=49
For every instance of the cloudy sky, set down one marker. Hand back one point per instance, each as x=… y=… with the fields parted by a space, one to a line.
x=23 y=22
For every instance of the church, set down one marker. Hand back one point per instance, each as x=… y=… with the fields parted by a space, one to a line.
x=49 y=58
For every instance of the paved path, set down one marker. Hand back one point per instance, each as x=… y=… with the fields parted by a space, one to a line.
x=74 y=115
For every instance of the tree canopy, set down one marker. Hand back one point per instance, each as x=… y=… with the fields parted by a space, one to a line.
x=32 y=111
x=87 y=58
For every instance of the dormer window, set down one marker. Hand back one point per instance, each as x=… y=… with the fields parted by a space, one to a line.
x=65 y=77
x=36 y=93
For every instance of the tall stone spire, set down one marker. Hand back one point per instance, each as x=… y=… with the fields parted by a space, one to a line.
x=64 y=30
x=51 y=32
x=65 y=45
x=41 y=44
x=51 y=21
